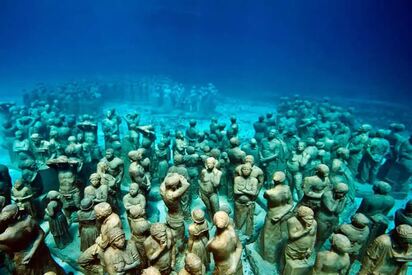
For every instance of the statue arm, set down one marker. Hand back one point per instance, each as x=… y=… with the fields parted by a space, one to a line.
x=236 y=256
x=135 y=255
x=294 y=232
x=35 y=246
x=216 y=177
x=319 y=263
x=185 y=185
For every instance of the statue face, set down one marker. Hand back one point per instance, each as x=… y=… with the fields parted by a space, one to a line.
x=308 y=220
x=133 y=190
x=210 y=163
x=246 y=170
x=301 y=147
x=109 y=154
x=120 y=242
x=95 y=181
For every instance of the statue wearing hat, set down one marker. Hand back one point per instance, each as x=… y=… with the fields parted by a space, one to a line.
x=193 y=265
x=199 y=237
x=87 y=224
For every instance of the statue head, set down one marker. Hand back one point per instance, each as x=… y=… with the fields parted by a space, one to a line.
x=381 y=187
x=95 y=179
x=246 y=170
x=279 y=177
x=9 y=213
x=340 y=190
x=301 y=146
x=178 y=159
x=210 y=163
x=198 y=216
x=322 y=171
x=305 y=215
x=359 y=220
x=158 y=232
x=136 y=211
x=102 y=210
x=340 y=243
x=234 y=142
x=133 y=189
x=193 y=264
x=109 y=154
x=403 y=235
x=117 y=237
x=221 y=220
x=250 y=159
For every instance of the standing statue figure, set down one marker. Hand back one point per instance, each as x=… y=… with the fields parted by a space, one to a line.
x=260 y=129
x=172 y=189
x=110 y=126
x=335 y=261
x=274 y=234
x=357 y=146
x=252 y=148
x=225 y=247
x=116 y=166
x=67 y=170
x=296 y=165
x=108 y=180
x=160 y=248
x=256 y=171
x=133 y=198
x=121 y=257
x=389 y=253
x=375 y=152
x=193 y=265
x=162 y=157
x=57 y=220
x=376 y=207
x=301 y=242
x=199 y=237
x=315 y=186
x=404 y=215
x=236 y=158
x=209 y=184
x=357 y=232
x=87 y=224
x=179 y=167
x=332 y=204
x=140 y=229
x=23 y=197
x=97 y=192
x=23 y=239
x=139 y=169
x=246 y=190
x=272 y=155
x=193 y=162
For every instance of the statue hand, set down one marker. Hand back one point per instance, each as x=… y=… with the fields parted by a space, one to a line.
x=27 y=259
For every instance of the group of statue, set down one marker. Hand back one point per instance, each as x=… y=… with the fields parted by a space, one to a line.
x=303 y=167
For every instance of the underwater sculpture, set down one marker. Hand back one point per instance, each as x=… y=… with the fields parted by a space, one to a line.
x=315 y=186
x=301 y=241
x=23 y=238
x=199 y=237
x=140 y=229
x=208 y=186
x=87 y=224
x=389 y=253
x=274 y=234
x=335 y=261
x=225 y=247
x=193 y=265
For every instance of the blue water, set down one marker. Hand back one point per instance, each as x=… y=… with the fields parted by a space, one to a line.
x=360 y=48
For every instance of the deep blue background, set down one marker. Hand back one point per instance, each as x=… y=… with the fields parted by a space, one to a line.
x=358 y=48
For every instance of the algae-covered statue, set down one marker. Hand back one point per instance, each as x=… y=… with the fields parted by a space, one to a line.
x=133 y=198
x=116 y=166
x=209 y=184
x=274 y=234
x=272 y=155
x=23 y=239
x=87 y=224
x=97 y=192
x=246 y=189
x=404 y=215
x=315 y=186
x=327 y=217
x=335 y=261
x=300 y=246
x=140 y=229
x=172 y=189
x=225 y=247
x=199 y=237
x=160 y=248
x=121 y=257
x=389 y=253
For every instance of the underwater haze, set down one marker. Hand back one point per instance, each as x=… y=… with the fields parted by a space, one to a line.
x=315 y=48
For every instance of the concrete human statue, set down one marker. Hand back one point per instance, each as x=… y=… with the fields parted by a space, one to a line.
x=91 y=258
x=209 y=183
x=260 y=127
x=140 y=229
x=357 y=232
x=22 y=195
x=376 y=207
x=404 y=215
x=274 y=235
x=134 y=197
x=256 y=171
x=88 y=230
x=162 y=157
x=252 y=148
x=193 y=265
x=332 y=205
x=199 y=237
x=58 y=225
x=389 y=253
x=225 y=247
x=301 y=241
x=356 y=147
x=335 y=261
x=246 y=189
x=272 y=155
x=192 y=163
x=160 y=248
x=315 y=186
x=236 y=157
x=116 y=166
x=67 y=171
x=108 y=180
x=121 y=257
x=179 y=167
x=96 y=191
x=23 y=239
x=139 y=169
x=172 y=189
x=296 y=166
